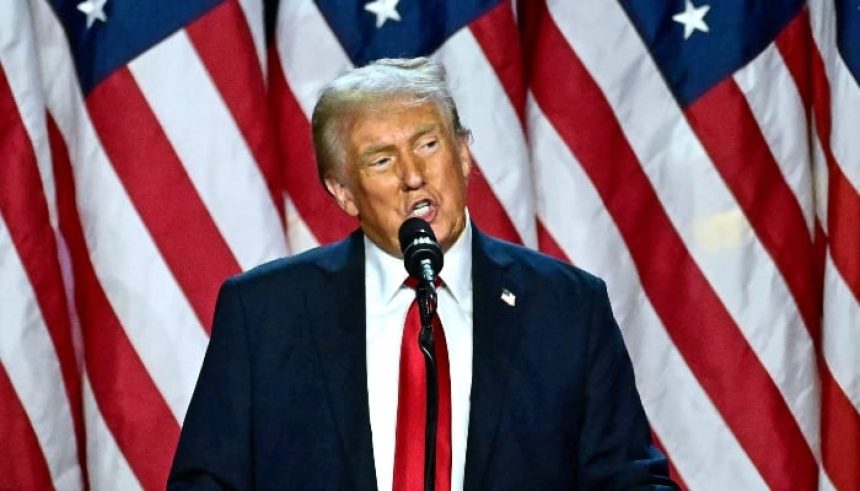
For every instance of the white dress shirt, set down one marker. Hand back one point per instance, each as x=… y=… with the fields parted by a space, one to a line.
x=387 y=303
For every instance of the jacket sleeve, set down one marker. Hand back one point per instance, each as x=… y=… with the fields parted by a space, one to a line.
x=615 y=448
x=214 y=449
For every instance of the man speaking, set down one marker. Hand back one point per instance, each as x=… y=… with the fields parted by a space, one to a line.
x=315 y=377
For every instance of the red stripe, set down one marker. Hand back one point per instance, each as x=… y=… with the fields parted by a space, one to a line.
x=23 y=465
x=840 y=436
x=843 y=204
x=161 y=191
x=548 y=245
x=843 y=227
x=486 y=210
x=133 y=409
x=498 y=35
x=794 y=44
x=319 y=211
x=840 y=422
x=726 y=126
x=226 y=48
x=25 y=210
x=695 y=318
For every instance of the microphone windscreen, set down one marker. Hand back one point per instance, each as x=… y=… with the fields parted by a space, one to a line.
x=419 y=245
x=413 y=228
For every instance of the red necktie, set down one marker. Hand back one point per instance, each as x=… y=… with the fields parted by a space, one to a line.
x=412 y=407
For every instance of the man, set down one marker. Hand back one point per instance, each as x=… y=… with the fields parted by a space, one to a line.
x=300 y=385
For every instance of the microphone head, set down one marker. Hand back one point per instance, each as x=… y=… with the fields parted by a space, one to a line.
x=418 y=243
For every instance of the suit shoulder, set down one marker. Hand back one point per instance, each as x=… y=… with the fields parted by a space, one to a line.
x=302 y=268
x=544 y=268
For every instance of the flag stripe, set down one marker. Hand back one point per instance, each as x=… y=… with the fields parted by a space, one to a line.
x=160 y=324
x=179 y=92
x=316 y=207
x=25 y=210
x=766 y=83
x=301 y=29
x=840 y=445
x=828 y=66
x=299 y=235
x=225 y=45
x=710 y=223
x=486 y=210
x=840 y=421
x=843 y=227
x=25 y=467
x=679 y=410
x=498 y=36
x=35 y=372
x=548 y=245
x=106 y=465
x=712 y=227
x=673 y=472
x=727 y=128
x=841 y=343
x=158 y=185
x=133 y=407
x=656 y=238
x=497 y=141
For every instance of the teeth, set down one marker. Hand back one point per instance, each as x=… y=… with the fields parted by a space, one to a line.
x=421 y=209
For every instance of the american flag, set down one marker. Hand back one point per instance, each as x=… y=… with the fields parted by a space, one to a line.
x=703 y=157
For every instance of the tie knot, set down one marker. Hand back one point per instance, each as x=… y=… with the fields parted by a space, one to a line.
x=412 y=282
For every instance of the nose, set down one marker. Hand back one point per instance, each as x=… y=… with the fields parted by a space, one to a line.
x=411 y=172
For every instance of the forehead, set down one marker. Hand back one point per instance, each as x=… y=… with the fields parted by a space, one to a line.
x=392 y=120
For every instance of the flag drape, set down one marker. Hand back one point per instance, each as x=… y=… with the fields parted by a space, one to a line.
x=702 y=157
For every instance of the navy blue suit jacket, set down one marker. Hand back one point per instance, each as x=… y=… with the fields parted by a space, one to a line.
x=281 y=402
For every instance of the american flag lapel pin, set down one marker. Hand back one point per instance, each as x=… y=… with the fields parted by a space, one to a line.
x=508 y=297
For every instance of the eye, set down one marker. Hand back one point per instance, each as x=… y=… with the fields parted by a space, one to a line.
x=431 y=143
x=378 y=162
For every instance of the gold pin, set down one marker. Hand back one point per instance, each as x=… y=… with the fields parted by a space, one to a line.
x=508 y=297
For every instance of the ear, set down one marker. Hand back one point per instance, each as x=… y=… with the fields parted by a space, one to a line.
x=342 y=195
x=465 y=155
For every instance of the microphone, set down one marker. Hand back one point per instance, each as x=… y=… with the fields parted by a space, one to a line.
x=422 y=257
x=422 y=254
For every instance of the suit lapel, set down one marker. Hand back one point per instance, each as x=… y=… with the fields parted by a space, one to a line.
x=338 y=313
x=495 y=331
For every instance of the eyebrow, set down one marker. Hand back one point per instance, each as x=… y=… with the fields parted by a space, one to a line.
x=379 y=147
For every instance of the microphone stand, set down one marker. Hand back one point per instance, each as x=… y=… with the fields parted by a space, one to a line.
x=426 y=293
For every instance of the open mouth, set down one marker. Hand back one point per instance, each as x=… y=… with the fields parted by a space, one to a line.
x=422 y=209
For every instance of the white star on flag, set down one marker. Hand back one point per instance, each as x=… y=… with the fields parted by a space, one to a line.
x=384 y=10
x=95 y=10
x=693 y=18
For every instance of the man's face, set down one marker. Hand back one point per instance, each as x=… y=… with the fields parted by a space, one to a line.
x=401 y=161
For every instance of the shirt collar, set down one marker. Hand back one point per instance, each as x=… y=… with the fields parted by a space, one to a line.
x=385 y=273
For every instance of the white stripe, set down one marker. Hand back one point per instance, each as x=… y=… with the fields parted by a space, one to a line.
x=703 y=449
x=824 y=483
x=27 y=353
x=841 y=333
x=253 y=10
x=152 y=309
x=499 y=143
x=821 y=179
x=712 y=226
x=299 y=236
x=844 y=92
x=17 y=52
x=776 y=105
x=301 y=32
x=210 y=145
x=106 y=466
